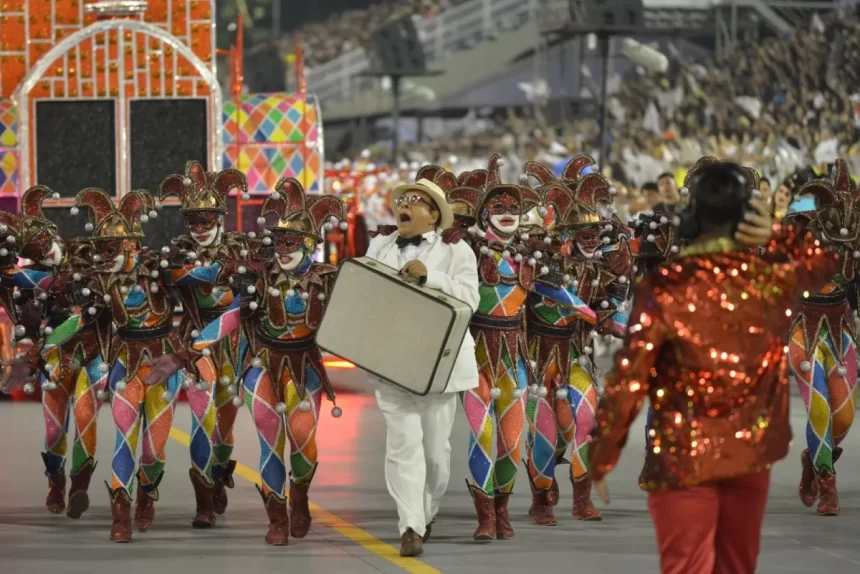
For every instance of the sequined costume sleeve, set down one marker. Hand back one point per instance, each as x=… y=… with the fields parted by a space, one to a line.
x=25 y=278
x=219 y=328
x=628 y=384
x=191 y=275
x=567 y=298
x=814 y=265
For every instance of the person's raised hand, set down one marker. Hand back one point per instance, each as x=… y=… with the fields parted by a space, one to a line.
x=757 y=227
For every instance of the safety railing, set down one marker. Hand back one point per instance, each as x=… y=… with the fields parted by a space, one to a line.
x=456 y=28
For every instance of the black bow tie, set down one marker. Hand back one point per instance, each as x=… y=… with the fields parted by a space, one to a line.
x=404 y=241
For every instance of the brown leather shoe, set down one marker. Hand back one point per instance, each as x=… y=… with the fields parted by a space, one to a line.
x=279 y=519
x=828 y=497
x=300 y=514
x=204 y=494
x=222 y=483
x=79 y=499
x=485 y=508
x=583 y=508
x=144 y=507
x=411 y=544
x=504 y=530
x=120 y=509
x=808 y=488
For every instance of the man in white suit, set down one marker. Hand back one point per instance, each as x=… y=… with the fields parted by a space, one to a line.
x=417 y=450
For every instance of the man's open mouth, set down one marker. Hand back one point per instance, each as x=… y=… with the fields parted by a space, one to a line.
x=405 y=217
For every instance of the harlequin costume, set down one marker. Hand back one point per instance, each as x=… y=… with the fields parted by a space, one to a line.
x=712 y=367
x=201 y=282
x=560 y=341
x=282 y=297
x=133 y=313
x=507 y=274
x=48 y=294
x=822 y=346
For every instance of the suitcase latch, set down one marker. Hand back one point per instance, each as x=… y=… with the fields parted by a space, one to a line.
x=446 y=353
x=442 y=298
x=370 y=263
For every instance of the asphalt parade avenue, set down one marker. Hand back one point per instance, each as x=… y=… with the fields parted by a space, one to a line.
x=354 y=529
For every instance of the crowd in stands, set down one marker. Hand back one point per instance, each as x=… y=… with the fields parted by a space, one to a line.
x=777 y=105
x=326 y=40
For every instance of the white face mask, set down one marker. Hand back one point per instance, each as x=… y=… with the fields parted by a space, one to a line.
x=589 y=252
x=506 y=223
x=118 y=263
x=54 y=256
x=207 y=238
x=291 y=261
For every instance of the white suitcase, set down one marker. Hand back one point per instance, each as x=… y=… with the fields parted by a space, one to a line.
x=366 y=322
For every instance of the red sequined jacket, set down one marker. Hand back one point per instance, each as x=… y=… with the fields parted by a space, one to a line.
x=706 y=346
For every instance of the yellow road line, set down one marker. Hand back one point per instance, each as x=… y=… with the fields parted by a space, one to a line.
x=361 y=537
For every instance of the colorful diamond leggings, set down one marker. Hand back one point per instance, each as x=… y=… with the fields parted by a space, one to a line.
x=76 y=395
x=556 y=423
x=212 y=410
x=140 y=408
x=828 y=385
x=501 y=418
x=298 y=424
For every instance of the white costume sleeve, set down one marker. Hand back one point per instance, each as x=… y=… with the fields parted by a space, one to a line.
x=462 y=282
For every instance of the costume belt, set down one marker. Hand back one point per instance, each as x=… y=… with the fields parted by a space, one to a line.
x=147 y=334
x=835 y=298
x=270 y=342
x=501 y=323
x=544 y=330
x=209 y=315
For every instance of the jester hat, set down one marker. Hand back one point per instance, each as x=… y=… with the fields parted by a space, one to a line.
x=35 y=231
x=838 y=205
x=202 y=191
x=298 y=213
x=110 y=221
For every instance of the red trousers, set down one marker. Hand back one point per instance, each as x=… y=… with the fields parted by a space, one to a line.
x=711 y=529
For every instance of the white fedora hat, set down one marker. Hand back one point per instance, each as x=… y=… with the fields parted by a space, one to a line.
x=446 y=215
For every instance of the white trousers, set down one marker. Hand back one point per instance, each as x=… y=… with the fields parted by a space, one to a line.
x=417 y=452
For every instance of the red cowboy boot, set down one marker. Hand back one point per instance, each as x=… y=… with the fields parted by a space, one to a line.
x=204 y=493
x=541 y=508
x=828 y=497
x=300 y=514
x=222 y=483
x=553 y=492
x=583 y=509
x=279 y=519
x=808 y=488
x=486 y=510
x=504 y=530
x=144 y=509
x=55 y=502
x=120 y=509
x=79 y=499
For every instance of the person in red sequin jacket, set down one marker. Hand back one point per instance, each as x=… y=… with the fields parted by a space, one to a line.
x=706 y=346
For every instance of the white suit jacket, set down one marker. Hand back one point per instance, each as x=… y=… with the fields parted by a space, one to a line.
x=453 y=269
